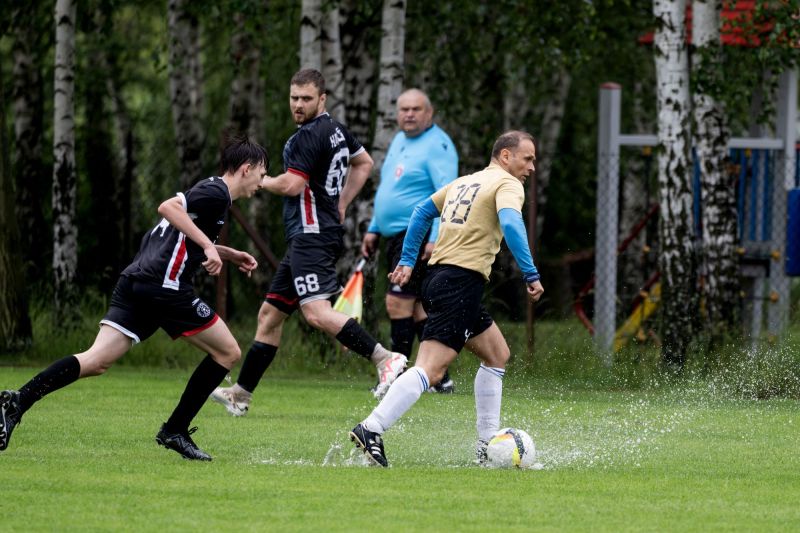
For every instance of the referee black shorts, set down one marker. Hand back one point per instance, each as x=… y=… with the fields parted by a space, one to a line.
x=394 y=250
x=451 y=296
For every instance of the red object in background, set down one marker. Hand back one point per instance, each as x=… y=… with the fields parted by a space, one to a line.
x=737 y=27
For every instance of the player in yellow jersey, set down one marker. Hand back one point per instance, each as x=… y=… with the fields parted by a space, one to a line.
x=476 y=212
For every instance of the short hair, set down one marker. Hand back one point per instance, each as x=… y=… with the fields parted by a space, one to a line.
x=238 y=149
x=414 y=90
x=510 y=140
x=309 y=75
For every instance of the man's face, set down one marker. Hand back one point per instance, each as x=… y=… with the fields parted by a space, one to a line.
x=413 y=115
x=520 y=161
x=305 y=102
x=252 y=178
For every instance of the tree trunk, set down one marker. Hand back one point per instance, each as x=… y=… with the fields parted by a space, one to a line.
x=677 y=259
x=359 y=68
x=332 y=67
x=186 y=90
x=390 y=77
x=65 y=232
x=15 y=323
x=717 y=189
x=30 y=174
x=310 y=41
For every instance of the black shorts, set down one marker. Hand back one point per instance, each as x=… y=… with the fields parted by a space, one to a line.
x=452 y=296
x=139 y=308
x=307 y=272
x=394 y=250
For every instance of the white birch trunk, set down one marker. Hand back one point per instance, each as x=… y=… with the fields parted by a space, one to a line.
x=332 y=67
x=359 y=72
x=390 y=77
x=310 y=41
x=186 y=89
x=677 y=260
x=717 y=189
x=65 y=233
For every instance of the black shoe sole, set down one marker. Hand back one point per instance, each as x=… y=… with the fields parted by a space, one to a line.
x=363 y=447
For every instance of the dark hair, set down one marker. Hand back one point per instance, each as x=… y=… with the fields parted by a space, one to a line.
x=309 y=75
x=510 y=140
x=237 y=150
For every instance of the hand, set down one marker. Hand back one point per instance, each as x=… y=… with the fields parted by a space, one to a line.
x=535 y=290
x=213 y=263
x=401 y=275
x=427 y=252
x=246 y=263
x=369 y=244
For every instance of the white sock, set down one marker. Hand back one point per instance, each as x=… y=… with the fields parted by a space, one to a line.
x=403 y=393
x=488 y=396
x=379 y=354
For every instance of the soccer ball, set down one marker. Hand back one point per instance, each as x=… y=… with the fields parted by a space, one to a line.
x=511 y=447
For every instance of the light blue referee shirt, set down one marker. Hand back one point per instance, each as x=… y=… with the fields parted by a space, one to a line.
x=414 y=168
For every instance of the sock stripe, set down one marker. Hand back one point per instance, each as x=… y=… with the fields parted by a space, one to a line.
x=423 y=380
x=499 y=372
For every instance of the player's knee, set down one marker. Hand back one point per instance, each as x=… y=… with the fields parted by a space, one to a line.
x=229 y=355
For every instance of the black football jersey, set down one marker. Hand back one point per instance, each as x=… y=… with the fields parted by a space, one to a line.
x=320 y=152
x=166 y=256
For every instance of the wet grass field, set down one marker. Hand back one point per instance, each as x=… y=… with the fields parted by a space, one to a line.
x=684 y=457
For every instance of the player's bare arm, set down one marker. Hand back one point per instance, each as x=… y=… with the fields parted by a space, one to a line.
x=174 y=213
x=360 y=167
x=244 y=261
x=286 y=184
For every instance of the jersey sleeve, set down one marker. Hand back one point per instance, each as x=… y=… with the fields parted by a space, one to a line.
x=302 y=154
x=510 y=194
x=442 y=168
x=206 y=201
x=439 y=196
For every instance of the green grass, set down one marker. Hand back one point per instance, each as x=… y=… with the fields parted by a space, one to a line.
x=689 y=457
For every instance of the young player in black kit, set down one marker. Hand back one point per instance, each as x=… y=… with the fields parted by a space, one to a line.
x=317 y=189
x=155 y=290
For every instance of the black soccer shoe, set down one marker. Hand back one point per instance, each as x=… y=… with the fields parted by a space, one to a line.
x=370 y=443
x=446 y=386
x=182 y=443
x=10 y=415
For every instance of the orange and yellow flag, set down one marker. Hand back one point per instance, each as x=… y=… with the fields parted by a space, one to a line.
x=350 y=301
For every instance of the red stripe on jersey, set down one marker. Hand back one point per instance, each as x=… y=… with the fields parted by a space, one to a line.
x=195 y=331
x=299 y=173
x=309 y=204
x=179 y=258
x=280 y=298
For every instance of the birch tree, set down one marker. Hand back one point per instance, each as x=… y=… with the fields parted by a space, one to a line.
x=332 y=66
x=15 y=323
x=358 y=24
x=390 y=77
x=717 y=190
x=310 y=38
x=65 y=232
x=676 y=259
x=186 y=88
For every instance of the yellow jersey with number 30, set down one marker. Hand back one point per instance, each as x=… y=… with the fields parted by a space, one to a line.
x=469 y=230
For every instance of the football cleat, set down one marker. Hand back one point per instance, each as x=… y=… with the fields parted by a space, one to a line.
x=481 y=454
x=445 y=386
x=182 y=443
x=226 y=397
x=388 y=370
x=370 y=443
x=10 y=415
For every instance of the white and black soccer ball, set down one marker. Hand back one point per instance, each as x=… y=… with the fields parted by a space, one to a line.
x=511 y=448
